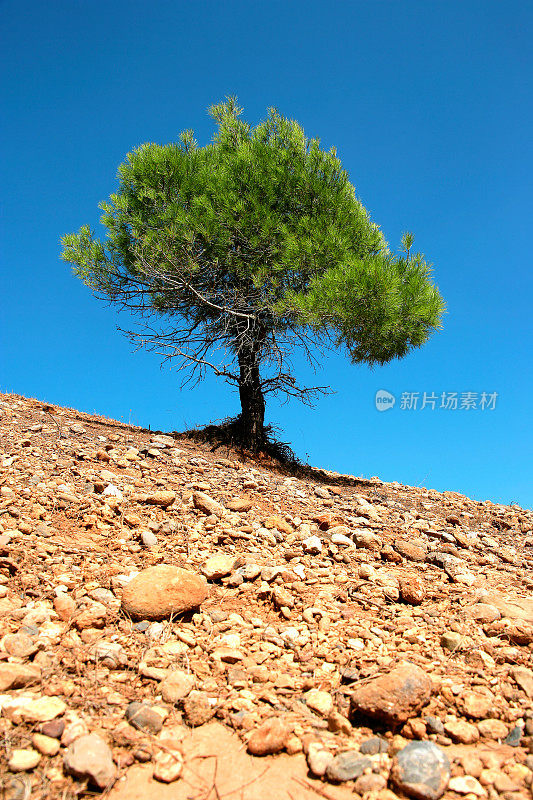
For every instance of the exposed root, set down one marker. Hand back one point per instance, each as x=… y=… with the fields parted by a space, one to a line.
x=231 y=433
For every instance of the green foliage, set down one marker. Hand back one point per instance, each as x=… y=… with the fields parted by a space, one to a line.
x=258 y=230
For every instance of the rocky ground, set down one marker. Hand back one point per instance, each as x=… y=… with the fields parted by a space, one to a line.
x=182 y=623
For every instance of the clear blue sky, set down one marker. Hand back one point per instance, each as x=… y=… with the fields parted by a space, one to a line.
x=430 y=107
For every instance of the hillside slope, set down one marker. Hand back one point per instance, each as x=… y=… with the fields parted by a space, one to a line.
x=364 y=638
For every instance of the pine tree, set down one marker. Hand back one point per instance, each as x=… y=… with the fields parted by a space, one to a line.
x=236 y=254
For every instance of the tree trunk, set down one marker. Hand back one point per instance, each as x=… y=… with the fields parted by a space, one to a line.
x=252 y=400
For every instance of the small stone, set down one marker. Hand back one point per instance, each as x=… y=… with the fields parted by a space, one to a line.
x=484 y=612
x=349 y=674
x=239 y=504
x=54 y=728
x=293 y=745
x=476 y=706
x=312 y=545
x=64 y=606
x=504 y=783
x=450 y=640
x=318 y=759
x=148 y=539
x=144 y=718
x=409 y=550
x=16 y=676
x=347 y=766
x=42 y=709
x=197 y=709
x=472 y=765
x=367 y=540
x=320 y=702
x=412 y=590
x=371 y=782
x=90 y=757
x=373 y=746
x=16 y=787
x=282 y=598
x=73 y=730
x=162 y=499
x=229 y=655
x=434 y=725
x=250 y=571
x=337 y=723
x=421 y=770
x=414 y=728
x=176 y=686
x=159 y=591
x=206 y=504
x=394 y=697
x=466 y=784
x=108 y=654
x=514 y=737
x=389 y=554
x=46 y=745
x=524 y=678
x=217 y=567
x=341 y=540
x=269 y=738
x=23 y=760
x=91 y=617
x=19 y=644
x=168 y=766
x=462 y=732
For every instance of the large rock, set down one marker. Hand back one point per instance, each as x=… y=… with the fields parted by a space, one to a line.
x=90 y=757
x=421 y=770
x=159 y=591
x=395 y=697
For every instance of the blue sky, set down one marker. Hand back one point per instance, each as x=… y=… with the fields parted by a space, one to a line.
x=429 y=106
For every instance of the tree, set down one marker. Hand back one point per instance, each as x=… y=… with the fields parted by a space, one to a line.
x=239 y=253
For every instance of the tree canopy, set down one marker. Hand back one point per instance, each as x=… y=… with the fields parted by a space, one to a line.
x=238 y=253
